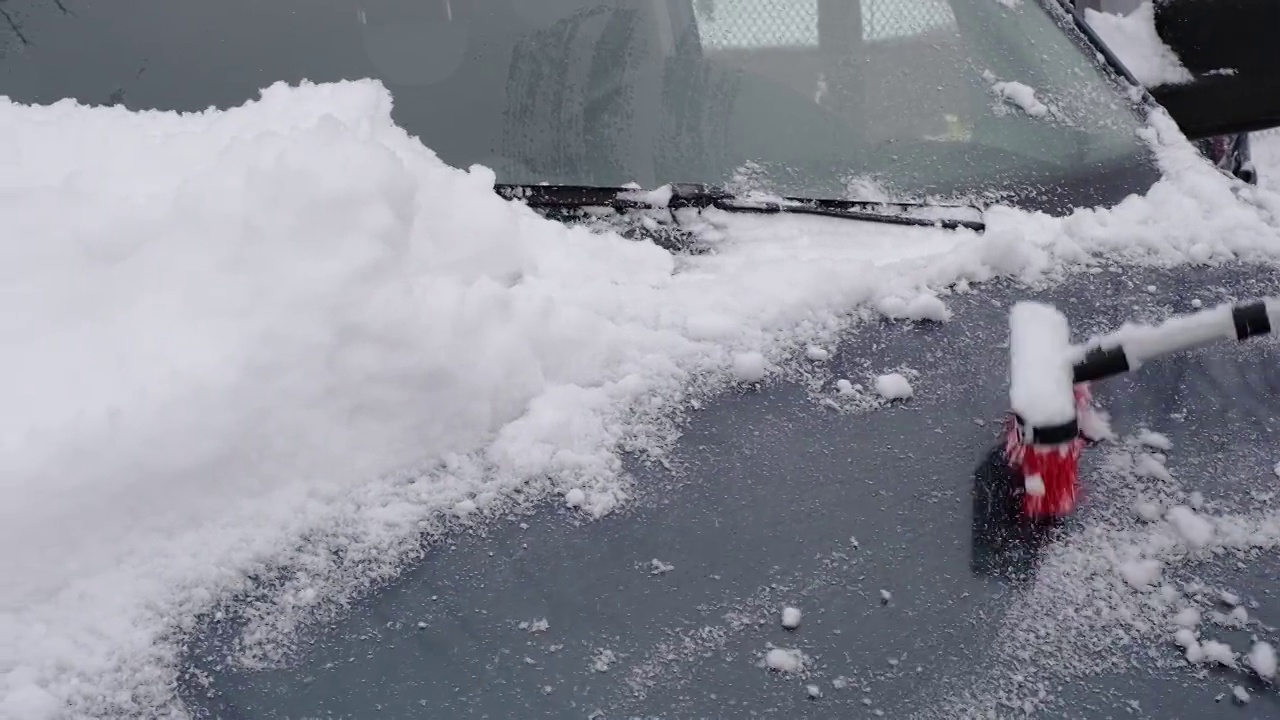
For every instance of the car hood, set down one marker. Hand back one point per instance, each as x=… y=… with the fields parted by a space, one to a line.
x=261 y=358
x=873 y=518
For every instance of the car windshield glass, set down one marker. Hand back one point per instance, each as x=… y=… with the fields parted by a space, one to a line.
x=965 y=99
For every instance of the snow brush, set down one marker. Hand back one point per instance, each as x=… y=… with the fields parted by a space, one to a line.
x=1049 y=385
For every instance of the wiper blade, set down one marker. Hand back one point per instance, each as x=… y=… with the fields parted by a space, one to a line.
x=693 y=195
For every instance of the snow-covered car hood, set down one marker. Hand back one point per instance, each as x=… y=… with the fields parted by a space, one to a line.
x=281 y=342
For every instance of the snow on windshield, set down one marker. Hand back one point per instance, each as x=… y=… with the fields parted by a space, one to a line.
x=1134 y=40
x=1019 y=94
x=287 y=335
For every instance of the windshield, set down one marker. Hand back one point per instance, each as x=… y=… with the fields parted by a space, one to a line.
x=969 y=99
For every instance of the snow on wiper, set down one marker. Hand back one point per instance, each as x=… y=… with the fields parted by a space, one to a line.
x=675 y=196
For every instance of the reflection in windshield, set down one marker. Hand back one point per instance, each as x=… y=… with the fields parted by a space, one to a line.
x=724 y=24
x=805 y=97
x=814 y=98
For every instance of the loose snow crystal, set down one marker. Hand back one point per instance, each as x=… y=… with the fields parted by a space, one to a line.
x=1186 y=638
x=1024 y=96
x=844 y=387
x=1217 y=652
x=817 y=354
x=1240 y=694
x=1187 y=618
x=1141 y=574
x=1147 y=510
x=603 y=660
x=575 y=498
x=1262 y=658
x=1095 y=423
x=1149 y=467
x=1196 y=500
x=1238 y=617
x=1040 y=380
x=784 y=660
x=928 y=307
x=791 y=618
x=894 y=386
x=749 y=367
x=1154 y=440
x=659 y=197
x=1196 y=532
x=537 y=626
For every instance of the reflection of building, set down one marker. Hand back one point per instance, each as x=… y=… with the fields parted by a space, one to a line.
x=728 y=24
x=854 y=58
x=1115 y=7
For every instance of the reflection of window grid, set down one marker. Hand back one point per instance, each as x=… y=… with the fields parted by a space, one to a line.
x=794 y=23
x=757 y=23
x=889 y=19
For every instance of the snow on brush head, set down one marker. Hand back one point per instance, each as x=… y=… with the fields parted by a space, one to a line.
x=1041 y=388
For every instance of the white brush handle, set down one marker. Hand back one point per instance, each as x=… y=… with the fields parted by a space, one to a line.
x=1130 y=347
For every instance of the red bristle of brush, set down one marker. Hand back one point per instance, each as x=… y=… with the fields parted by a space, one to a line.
x=1056 y=465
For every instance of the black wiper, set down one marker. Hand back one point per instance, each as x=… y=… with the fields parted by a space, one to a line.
x=692 y=195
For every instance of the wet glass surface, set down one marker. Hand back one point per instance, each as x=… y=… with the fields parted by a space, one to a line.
x=618 y=91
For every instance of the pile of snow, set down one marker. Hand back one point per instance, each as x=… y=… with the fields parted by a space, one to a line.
x=894 y=386
x=1262 y=658
x=817 y=353
x=1134 y=41
x=1152 y=439
x=1021 y=95
x=749 y=367
x=923 y=307
x=287 y=338
x=790 y=618
x=1194 y=529
x=784 y=660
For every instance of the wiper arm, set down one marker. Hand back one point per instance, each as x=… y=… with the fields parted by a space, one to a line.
x=693 y=195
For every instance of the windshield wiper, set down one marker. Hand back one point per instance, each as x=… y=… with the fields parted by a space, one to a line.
x=693 y=195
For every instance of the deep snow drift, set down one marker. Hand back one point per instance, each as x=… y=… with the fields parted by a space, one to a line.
x=286 y=334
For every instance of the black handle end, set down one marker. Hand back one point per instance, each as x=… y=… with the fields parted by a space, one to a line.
x=1101 y=363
